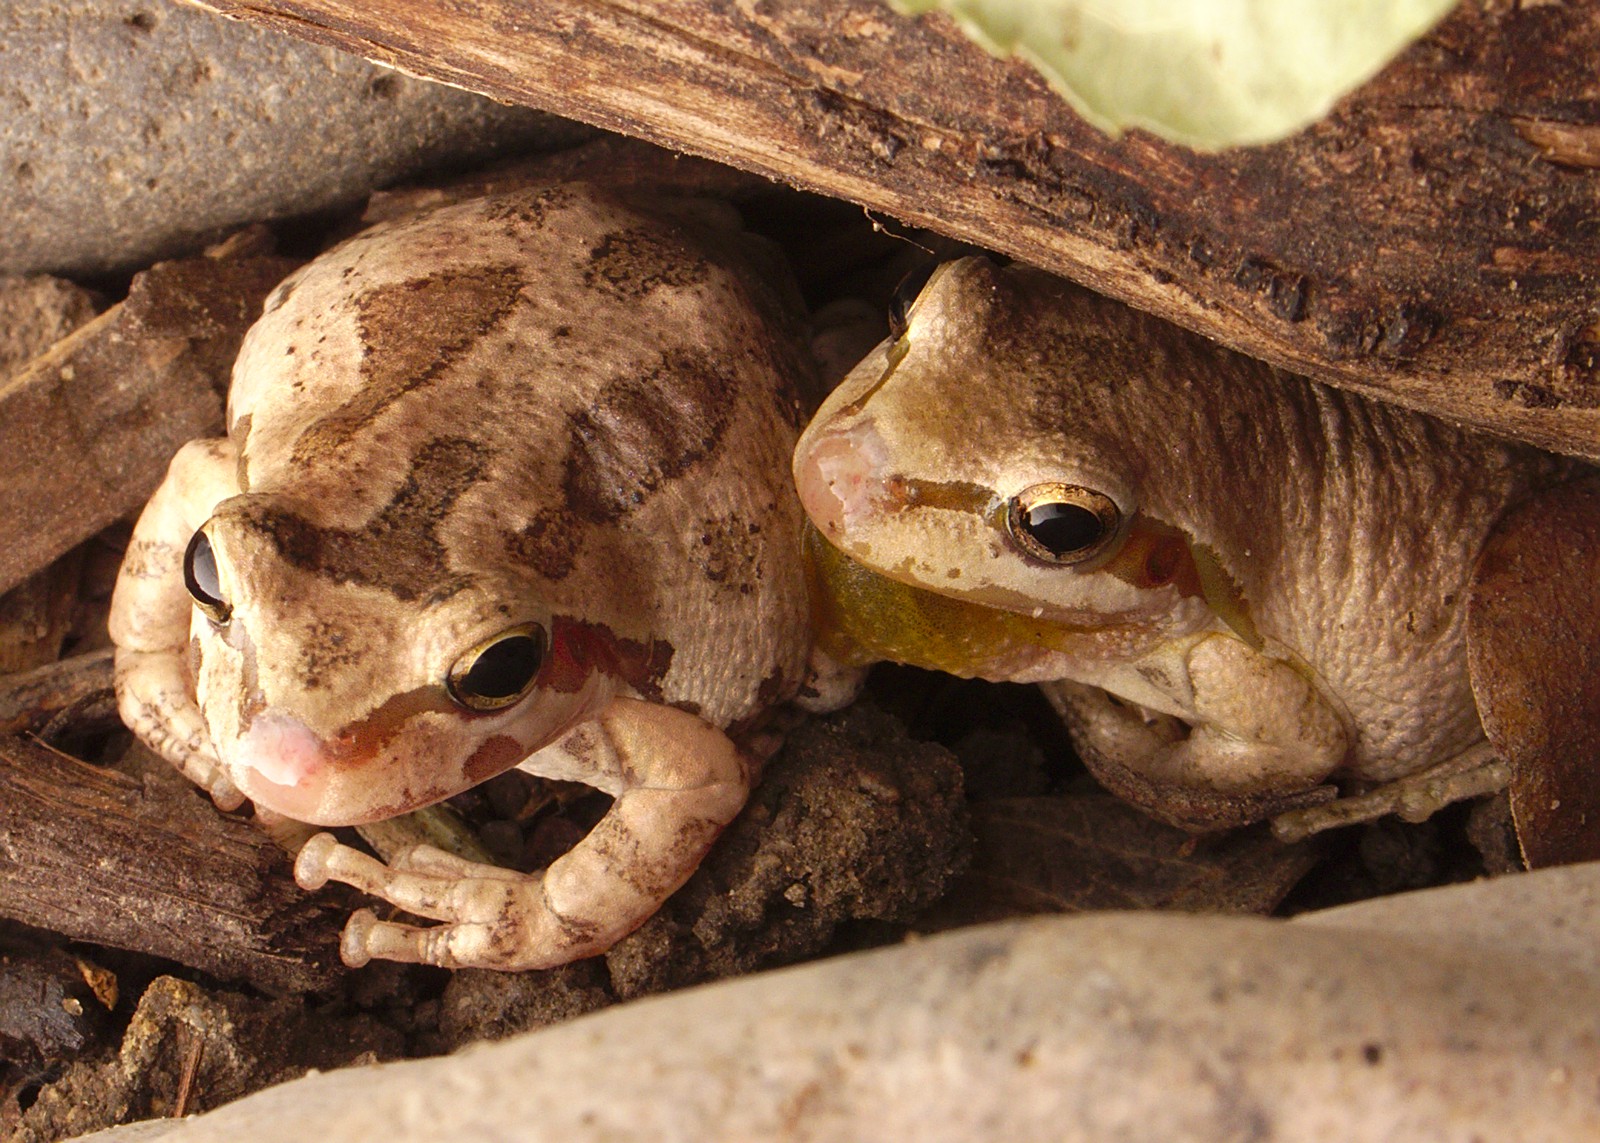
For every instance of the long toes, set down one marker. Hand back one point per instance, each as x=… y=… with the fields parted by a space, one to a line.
x=428 y=859
x=447 y=946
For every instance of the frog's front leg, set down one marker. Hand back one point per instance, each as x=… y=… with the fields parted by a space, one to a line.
x=1259 y=739
x=151 y=613
x=678 y=781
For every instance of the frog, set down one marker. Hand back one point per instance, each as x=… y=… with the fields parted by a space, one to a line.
x=504 y=485
x=1244 y=591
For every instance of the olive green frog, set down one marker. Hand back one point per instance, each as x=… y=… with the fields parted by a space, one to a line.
x=1245 y=591
x=505 y=484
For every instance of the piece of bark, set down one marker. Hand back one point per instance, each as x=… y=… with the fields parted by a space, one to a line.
x=31 y=700
x=88 y=427
x=48 y=1007
x=36 y=615
x=1431 y=241
x=1533 y=648
x=103 y=857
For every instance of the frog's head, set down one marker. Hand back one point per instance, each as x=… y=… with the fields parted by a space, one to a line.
x=345 y=681
x=993 y=453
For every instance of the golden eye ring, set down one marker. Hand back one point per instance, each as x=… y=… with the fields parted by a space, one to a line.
x=1062 y=524
x=500 y=670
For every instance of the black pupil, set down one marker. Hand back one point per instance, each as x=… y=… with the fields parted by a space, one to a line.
x=905 y=296
x=505 y=668
x=1062 y=529
x=200 y=572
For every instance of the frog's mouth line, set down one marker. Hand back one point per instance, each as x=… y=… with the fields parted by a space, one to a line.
x=864 y=616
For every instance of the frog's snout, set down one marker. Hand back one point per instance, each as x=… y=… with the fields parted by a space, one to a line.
x=281 y=763
x=839 y=474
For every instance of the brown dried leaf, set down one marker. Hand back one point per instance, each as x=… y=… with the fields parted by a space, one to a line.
x=36 y=615
x=35 y=313
x=1080 y=852
x=1533 y=647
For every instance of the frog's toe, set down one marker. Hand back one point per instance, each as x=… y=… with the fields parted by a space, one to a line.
x=211 y=778
x=316 y=863
x=444 y=946
x=516 y=934
x=355 y=945
x=436 y=862
x=366 y=938
x=225 y=795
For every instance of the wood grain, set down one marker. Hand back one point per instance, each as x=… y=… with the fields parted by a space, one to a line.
x=150 y=866
x=1434 y=241
x=88 y=427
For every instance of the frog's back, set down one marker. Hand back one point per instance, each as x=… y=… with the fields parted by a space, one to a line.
x=575 y=397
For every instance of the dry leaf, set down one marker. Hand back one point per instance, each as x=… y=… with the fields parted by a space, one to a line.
x=1533 y=648
x=1080 y=852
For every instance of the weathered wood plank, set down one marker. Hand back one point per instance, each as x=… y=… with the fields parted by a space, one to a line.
x=99 y=856
x=88 y=427
x=1434 y=241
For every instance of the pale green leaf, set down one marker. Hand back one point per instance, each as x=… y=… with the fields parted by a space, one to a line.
x=1209 y=73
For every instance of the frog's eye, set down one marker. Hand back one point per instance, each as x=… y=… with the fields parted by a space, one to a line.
x=200 y=577
x=905 y=296
x=498 y=671
x=1062 y=523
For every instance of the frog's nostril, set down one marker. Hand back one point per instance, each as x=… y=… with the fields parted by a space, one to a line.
x=839 y=475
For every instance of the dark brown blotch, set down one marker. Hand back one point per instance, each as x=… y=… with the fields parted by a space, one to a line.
x=398 y=550
x=548 y=543
x=528 y=210
x=729 y=553
x=630 y=264
x=412 y=331
x=643 y=431
x=325 y=647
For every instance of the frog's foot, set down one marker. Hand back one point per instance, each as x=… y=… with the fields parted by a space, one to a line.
x=678 y=781
x=291 y=835
x=154 y=701
x=493 y=918
x=1261 y=742
x=829 y=684
x=1470 y=774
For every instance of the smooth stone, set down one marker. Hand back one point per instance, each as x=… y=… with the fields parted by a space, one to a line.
x=134 y=130
x=1552 y=916
x=1353 y=1026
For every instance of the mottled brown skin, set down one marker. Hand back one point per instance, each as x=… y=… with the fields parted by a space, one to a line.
x=554 y=408
x=1282 y=607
